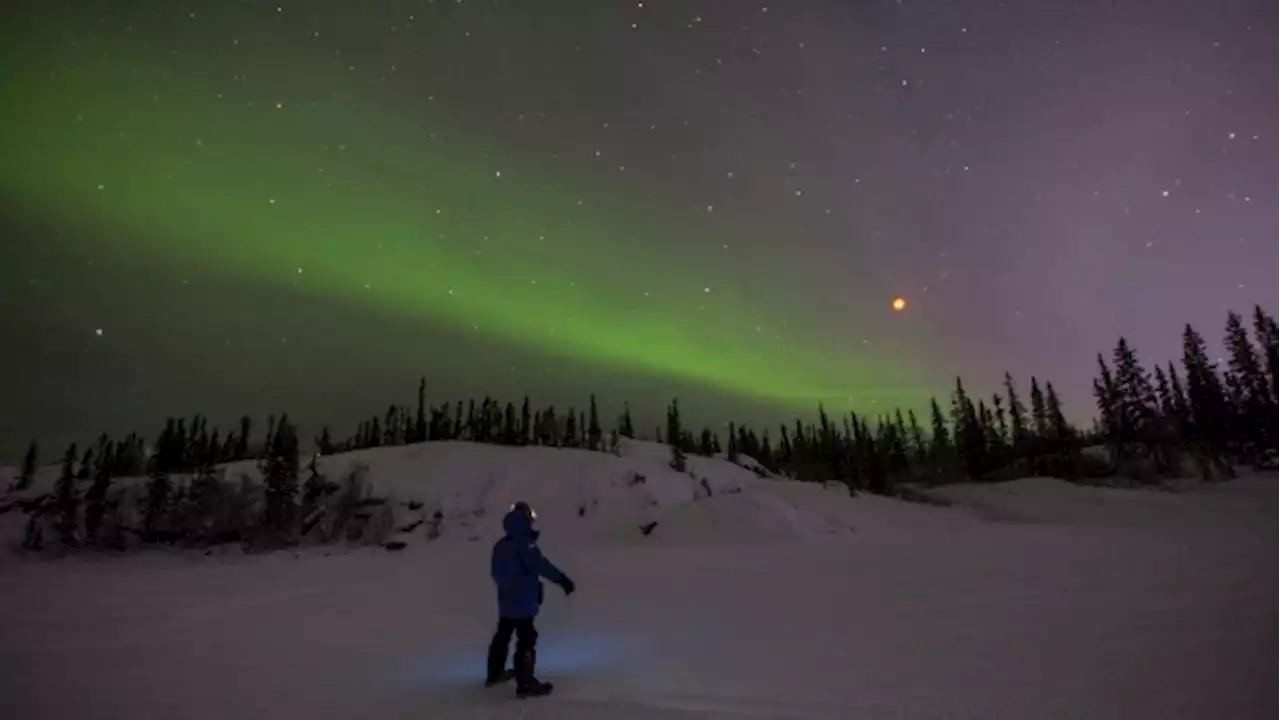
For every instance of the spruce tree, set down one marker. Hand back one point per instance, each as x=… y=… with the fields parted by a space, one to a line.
x=1039 y=414
x=95 y=505
x=593 y=428
x=674 y=430
x=784 y=446
x=1001 y=422
x=547 y=430
x=940 y=449
x=919 y=450
x=391 y=430
x=525 y=427
x=1137 y=401
x=1164 y=394
x=509 y=433
x=766 y=458
x=314 y=489
x=625 y=428
x=871 y=471
x=1266 y=334
x=30 y=464
x=66 y=500
x=1017 y=419
x=214 y=451
x=1256 y=407
x=704 y=442
x=969 y=440
x=1061 y=434
x=1179 y=405
x=324 y=443
x=1104 y=392
x=420 y=423
x=471 y=420
x=570 y=438
x=269 y=441
x=280 y=477
x=1207 y=400
x=242 y=440
x=85 y=467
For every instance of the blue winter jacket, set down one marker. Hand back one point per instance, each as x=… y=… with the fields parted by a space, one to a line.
x=516 y=567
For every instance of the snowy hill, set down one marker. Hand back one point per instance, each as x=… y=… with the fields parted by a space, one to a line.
x=760 y=598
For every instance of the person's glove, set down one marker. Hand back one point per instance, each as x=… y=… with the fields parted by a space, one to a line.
x=568 y=586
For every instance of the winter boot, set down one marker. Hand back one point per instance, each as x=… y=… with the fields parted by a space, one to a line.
x=527 y=684
x=495 y=672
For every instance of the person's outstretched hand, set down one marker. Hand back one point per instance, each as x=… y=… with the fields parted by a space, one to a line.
x=568 y=586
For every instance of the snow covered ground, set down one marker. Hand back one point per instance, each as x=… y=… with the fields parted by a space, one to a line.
x=1032 y=599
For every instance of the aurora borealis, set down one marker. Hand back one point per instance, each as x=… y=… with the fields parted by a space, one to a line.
x=306 y=205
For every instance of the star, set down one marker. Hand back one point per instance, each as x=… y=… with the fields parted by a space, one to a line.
x=98 y=332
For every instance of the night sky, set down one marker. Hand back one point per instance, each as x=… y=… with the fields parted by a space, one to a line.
x=235 y=206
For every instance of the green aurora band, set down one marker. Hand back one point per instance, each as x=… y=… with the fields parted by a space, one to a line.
x=332 y=193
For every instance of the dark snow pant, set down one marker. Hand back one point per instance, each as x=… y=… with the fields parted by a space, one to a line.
x=526 y=648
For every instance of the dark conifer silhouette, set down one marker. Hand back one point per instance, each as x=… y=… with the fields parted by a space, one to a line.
x=625 y=428
x=30 y=463
x=67 y=500
x=280 y=478
x=95 y=500
x=1151 y=421
x=594 y=434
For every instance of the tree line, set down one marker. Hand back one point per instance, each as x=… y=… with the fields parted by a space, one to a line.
x=1150 y=425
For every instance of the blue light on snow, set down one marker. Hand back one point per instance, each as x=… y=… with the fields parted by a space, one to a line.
x=558 y=656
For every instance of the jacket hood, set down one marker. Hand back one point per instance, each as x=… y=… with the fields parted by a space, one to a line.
x=517 y=524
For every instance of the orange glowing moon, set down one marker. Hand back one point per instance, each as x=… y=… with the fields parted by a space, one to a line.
x=899 y=304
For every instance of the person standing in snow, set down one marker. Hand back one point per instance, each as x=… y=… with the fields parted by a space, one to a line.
x=517 y=566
